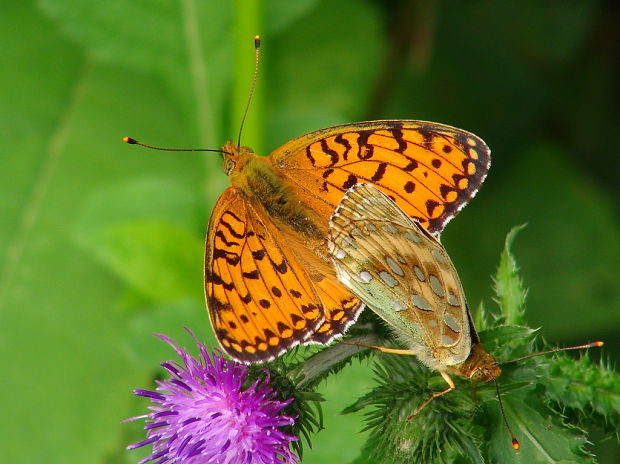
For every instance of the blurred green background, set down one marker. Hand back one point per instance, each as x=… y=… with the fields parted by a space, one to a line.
x=101 y=243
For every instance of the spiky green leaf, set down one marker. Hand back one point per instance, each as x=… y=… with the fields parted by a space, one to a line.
x=511 y=294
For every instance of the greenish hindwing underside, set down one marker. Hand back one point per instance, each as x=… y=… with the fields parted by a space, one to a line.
x=402 y=273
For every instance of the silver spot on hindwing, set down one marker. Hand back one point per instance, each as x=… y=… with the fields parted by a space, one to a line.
x=412 y=237
x=419 y=274
x=453 y=299
x=388 y=278
x=452 y=323
x=396 y=269
x=421 y=303
x=340 y=253
x=447 y=340
x=365 y=276
x=346 y=241
x=371 y=227
x=439 y=256
x=436 y=285
x=398 y=305
x=390 y=229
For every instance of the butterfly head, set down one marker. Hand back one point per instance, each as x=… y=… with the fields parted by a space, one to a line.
x=485 y=373
x=235 y=158
x=480 y=366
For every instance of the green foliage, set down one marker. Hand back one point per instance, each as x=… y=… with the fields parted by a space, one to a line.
x=437 y=434
x=508 y=285
x=583 y=389
x=84 y=278
x=539 y=397
x=306 y=404
x=569 y=266
x=542 y=434
x=317 y=367
x=310 y=365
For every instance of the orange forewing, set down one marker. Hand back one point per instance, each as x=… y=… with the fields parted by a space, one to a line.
x=430 y=170
x=261 y=299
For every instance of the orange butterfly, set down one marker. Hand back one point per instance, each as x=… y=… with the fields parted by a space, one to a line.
x=269 y=281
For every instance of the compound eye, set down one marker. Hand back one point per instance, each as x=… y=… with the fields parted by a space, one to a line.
x=229 y=165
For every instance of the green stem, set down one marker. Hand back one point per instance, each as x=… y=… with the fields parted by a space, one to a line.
x=247 y=23
x=317 y=365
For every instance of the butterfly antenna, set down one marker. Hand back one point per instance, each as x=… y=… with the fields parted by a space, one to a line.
x=131 y=141
x=252 y=87
x=515 y=443
x=595 y=344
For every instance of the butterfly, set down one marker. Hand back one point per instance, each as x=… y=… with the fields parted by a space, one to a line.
x=269 y=281
x=403 y=273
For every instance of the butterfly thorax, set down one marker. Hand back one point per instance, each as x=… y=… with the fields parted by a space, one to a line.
x=257 y=179
x=479 y=366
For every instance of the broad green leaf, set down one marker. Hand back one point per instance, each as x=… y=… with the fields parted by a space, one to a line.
x=541 y=437
x=61 y=335
x=337 y=391
x=568 y=254
x=185 y=42
x=338 y=69
x=162 y=261
x=279 y=15
x=172 y=319
x=69 y=376
x=147 y=242
x=167 y=198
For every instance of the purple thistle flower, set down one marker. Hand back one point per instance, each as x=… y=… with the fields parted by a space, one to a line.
x=202 y=415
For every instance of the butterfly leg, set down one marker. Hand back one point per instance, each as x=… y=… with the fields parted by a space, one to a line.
x=474 y=396
x=382 y=349
x=434 y=395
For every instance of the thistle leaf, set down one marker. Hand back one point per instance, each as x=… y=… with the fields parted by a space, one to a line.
x=508 y=286
x=547 y=399
x=590 y=391
x=440 y=433
x=542 y=435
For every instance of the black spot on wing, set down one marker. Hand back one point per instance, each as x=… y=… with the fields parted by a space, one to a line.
x=251 y=275
x=379 y=173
